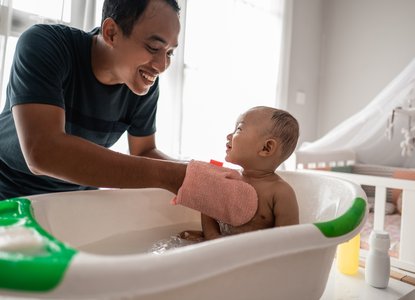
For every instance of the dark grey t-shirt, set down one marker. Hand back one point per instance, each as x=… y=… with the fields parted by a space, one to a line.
x=52 y=65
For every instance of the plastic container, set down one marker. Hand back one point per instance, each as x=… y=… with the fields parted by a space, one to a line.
x=348 y=256
x=377 y=270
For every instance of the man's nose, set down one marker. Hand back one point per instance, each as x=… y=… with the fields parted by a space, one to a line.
x=160 y=62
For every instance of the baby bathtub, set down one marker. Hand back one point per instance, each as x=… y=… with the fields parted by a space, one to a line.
x=107 y=234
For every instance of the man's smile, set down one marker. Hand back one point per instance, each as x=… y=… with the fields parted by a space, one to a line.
x=148 y=78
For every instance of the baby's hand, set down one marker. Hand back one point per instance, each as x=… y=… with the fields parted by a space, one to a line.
x=192 y=235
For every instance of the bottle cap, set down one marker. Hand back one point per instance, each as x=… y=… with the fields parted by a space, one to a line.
x=379 y=240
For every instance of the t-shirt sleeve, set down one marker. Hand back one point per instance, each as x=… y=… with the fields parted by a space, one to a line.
x=144 y=118
x=38 y=68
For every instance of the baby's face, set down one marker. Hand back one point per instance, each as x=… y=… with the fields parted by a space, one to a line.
x=247 y=139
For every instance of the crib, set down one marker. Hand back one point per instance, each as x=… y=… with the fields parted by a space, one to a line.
x=320 y=162
x=94 y=245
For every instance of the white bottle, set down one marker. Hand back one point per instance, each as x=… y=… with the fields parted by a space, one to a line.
x=377 y=269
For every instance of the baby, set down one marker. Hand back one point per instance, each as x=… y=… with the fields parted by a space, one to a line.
x=263 y=138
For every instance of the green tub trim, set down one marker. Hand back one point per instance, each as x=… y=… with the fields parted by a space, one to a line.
x=31 y=272
x=346 y=222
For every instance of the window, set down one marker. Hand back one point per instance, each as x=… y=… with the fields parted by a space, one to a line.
x=227 y=61
x=50 y=9
x=231 y=63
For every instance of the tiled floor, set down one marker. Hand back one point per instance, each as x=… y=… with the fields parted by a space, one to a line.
x=346 y=287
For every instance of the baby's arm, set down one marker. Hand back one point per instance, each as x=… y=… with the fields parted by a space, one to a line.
x=210 y=228
x=192 y=235
x=210 y=231
x=285 y=206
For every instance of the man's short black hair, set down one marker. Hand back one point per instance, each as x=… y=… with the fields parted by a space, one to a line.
x=126 y=12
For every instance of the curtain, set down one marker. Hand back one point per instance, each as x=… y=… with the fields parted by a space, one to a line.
x=366 y=132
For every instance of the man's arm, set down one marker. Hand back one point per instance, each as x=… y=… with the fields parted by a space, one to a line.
x=145 y=146
x=48 y=150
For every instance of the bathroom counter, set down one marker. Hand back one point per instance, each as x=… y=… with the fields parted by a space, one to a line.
x=341 y=286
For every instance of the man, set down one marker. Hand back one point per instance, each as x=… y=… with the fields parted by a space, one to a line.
x=72 y=94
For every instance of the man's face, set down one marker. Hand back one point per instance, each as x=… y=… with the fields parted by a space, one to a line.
x=147 y=52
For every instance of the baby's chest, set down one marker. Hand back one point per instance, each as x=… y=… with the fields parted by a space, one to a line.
x=266 y=206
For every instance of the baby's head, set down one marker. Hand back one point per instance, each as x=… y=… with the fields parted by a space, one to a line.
x=263 y=138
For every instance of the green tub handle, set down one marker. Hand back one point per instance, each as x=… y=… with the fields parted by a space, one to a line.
x=39 y=271
x=346 y=222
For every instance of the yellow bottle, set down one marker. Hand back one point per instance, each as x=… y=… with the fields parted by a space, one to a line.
x=348 y=256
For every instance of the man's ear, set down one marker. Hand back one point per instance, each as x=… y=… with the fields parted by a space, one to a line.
x=109 y=31
x=271 y=146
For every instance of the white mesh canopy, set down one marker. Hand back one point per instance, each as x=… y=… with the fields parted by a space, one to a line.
x=365 y=132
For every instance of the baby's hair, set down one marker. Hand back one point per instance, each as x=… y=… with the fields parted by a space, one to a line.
x=286 y=129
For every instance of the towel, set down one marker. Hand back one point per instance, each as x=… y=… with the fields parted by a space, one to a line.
x=217 y=192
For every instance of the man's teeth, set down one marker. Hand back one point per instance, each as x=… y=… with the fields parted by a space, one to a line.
x=148 y=76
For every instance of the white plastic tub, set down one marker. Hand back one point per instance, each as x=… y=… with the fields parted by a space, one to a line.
x=107 y=235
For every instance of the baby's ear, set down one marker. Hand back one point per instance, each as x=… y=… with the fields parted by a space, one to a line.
x=271 y=146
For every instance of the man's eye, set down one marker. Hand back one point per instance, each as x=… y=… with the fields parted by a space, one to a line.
x=151 y=49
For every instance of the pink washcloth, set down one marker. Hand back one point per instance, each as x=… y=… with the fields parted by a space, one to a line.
x=218 y=193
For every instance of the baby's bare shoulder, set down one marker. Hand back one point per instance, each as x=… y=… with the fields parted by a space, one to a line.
x=282 y=188
x=285 y=204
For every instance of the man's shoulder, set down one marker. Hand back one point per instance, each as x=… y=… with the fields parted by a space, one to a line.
x=47 y=29
x=53 y=32
x=54 y=42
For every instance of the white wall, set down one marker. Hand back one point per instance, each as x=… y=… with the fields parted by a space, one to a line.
x=343 y=53
x=304 y=65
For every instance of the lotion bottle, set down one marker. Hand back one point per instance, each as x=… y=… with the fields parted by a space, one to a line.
x=377 y=269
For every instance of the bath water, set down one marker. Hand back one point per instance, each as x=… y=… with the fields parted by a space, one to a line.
x=155 y=240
